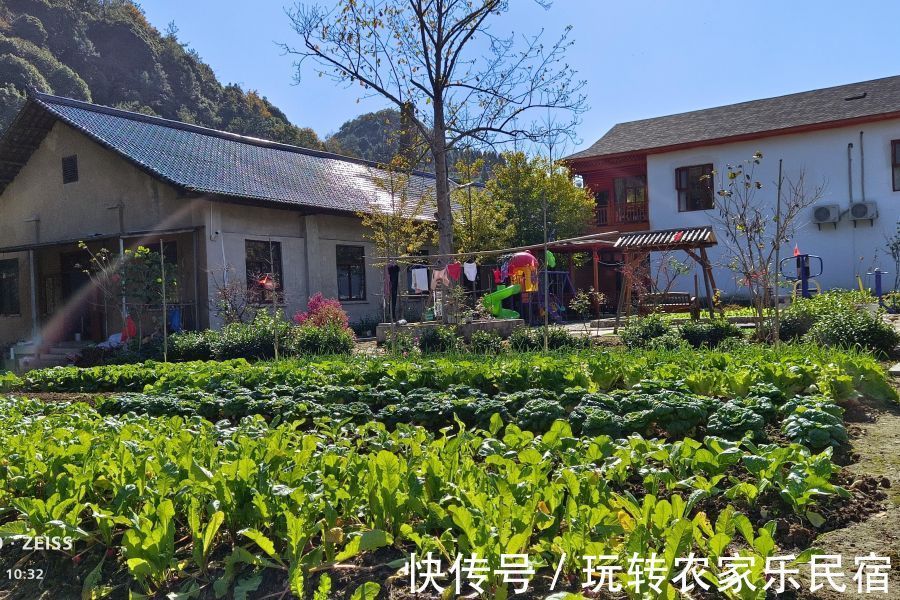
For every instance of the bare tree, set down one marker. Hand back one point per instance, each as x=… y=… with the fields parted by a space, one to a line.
x=440 y=64
x=756 y=228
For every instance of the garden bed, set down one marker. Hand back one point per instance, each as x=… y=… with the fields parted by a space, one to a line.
x=276 y=477
x=501 y=327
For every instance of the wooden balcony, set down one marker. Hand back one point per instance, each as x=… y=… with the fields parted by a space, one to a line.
x=629 y=213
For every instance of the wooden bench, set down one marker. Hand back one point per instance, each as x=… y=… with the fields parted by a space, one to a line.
x=669 y=302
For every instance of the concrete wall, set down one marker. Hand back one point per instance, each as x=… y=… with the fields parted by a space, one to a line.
x=37 y=208
x=847 y=251
x=308 y=248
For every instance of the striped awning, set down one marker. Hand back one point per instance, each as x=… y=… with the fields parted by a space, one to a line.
x=667 y=239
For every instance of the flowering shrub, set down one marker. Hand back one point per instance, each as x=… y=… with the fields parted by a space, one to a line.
x=322 y=311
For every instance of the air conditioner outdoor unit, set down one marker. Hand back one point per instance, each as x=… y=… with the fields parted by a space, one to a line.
x=863 y=211
x=578 y=181
x=827 y=213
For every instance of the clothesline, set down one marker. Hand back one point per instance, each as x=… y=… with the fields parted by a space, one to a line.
x=422 y=260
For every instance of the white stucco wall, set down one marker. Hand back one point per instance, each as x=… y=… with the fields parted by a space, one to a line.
x=847 y=251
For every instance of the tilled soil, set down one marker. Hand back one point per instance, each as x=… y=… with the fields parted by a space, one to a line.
x=876 y=445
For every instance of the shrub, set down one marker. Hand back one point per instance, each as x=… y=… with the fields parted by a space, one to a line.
x=191 y=345
x=402 y=342
x=525 y=339
x=638 y=332
x=439 y=339
x=531 y=339
x=329 y=339
x=797 y=319
x=708 y=334
x=321 y=311
x=486 y=342
x=854 y=327
x=252 y=340
x=365 y=327
x=559 y=338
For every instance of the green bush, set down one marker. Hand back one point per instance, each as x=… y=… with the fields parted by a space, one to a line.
x=191 y=345
x=708 y=334
x=255 y=340
x=439 y=339
x=640 y=331
x=400 y=342
x=526 y=339
x=485 y=342
x=799 y=317
x=531 y=339
x=328 y=339
x=854 y=327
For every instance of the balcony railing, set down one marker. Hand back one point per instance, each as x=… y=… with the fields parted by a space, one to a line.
x=616 y=214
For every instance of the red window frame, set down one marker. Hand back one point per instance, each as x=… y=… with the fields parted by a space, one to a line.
x=684 y=185
x=895 y=164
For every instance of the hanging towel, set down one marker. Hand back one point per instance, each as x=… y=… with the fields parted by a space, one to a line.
x=471 y=270
x=440 y=277
x=420 y=279
x=454 y=270
x=498 y=278
x=504 y=271
x=550 y=259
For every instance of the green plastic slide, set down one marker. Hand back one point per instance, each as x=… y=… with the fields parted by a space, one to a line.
x=494 y=301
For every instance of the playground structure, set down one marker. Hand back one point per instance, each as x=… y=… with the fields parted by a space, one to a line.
x=526 y=278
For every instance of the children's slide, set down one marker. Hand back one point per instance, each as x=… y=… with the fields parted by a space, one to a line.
x=494 y=301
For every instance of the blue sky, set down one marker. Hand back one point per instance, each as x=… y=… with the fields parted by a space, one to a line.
x=641 y=58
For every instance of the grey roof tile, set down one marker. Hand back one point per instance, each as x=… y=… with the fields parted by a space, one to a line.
x=204 y=160
x=869 y=99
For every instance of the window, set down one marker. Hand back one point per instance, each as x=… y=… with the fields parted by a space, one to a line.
x=9 y=287
x=695 y=187
x=895 y=163
x=264 y=274
x=70 y=169
x=602 y=200
x=631 y=190
x=351 y=272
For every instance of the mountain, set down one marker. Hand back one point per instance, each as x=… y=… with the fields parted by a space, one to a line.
x=378 y=136
x=105 y=51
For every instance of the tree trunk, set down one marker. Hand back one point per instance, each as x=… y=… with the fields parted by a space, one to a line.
x=442 y=184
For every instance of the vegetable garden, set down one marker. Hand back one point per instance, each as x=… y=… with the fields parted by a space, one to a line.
x=320 y=478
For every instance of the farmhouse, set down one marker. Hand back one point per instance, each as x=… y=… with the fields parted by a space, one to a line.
x=653 y=174
x=220 y=206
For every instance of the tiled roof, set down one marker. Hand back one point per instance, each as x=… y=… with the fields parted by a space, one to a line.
x=674 y=239
x=207 y=161
x=852 y=101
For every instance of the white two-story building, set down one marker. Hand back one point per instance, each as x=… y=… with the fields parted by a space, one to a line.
x=654 y=174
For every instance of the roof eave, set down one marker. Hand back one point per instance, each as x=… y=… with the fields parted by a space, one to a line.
x=576 y=159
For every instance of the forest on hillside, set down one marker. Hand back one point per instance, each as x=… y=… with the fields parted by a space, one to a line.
x=106 y=52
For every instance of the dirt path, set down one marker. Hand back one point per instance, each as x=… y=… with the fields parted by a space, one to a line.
x=878 y=446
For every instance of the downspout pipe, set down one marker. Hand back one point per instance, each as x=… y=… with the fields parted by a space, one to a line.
x=850 y=170
x=862 y=168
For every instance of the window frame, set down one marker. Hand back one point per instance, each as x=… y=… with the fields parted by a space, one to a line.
x=628 y=185
x=686 y=188
x=9 y=270
x=895 y=165
x=256 y=293
x=361 y=264
x=70 y=169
